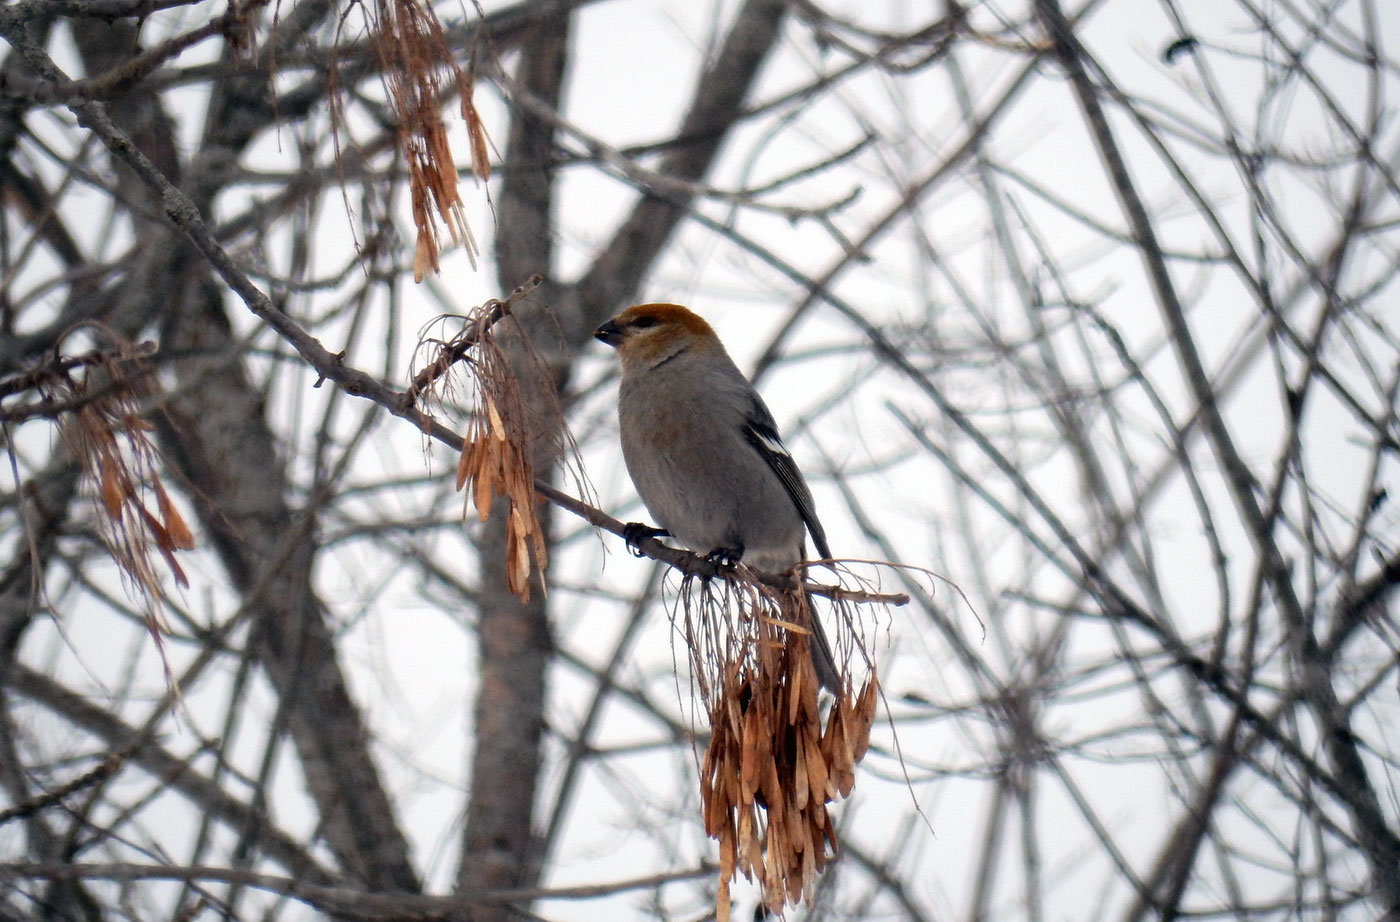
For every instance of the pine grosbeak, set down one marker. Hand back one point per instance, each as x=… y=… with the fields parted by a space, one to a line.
x=704 y=453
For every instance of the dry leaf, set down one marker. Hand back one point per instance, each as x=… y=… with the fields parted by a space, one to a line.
x=425 y=256
x=466 y=462
x=179 y=532
x=483 y=491
x=113 y=491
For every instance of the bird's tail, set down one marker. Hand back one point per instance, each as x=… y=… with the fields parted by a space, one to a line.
x=822 y=659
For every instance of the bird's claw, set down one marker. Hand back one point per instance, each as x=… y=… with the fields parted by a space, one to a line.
x=635 y=532
x=725 y=557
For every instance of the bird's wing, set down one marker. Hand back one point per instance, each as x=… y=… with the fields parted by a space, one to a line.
x=761 y=432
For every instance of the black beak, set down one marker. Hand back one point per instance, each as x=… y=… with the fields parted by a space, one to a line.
x=609 y=333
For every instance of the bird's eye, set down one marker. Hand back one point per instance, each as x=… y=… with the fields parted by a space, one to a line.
x=644 y=321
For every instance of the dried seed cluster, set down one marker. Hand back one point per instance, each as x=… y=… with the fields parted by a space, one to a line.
x=106 y=435
x=494 y=463
x=495 y=457
x=413 y=54
x=770 y=768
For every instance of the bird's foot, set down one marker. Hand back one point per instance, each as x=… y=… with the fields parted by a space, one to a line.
x=725 y=557
x=635 y=532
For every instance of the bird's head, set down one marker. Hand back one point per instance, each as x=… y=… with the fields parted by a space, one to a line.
x=646 y=335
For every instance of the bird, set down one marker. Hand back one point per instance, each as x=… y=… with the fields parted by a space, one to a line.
x=703 y=451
